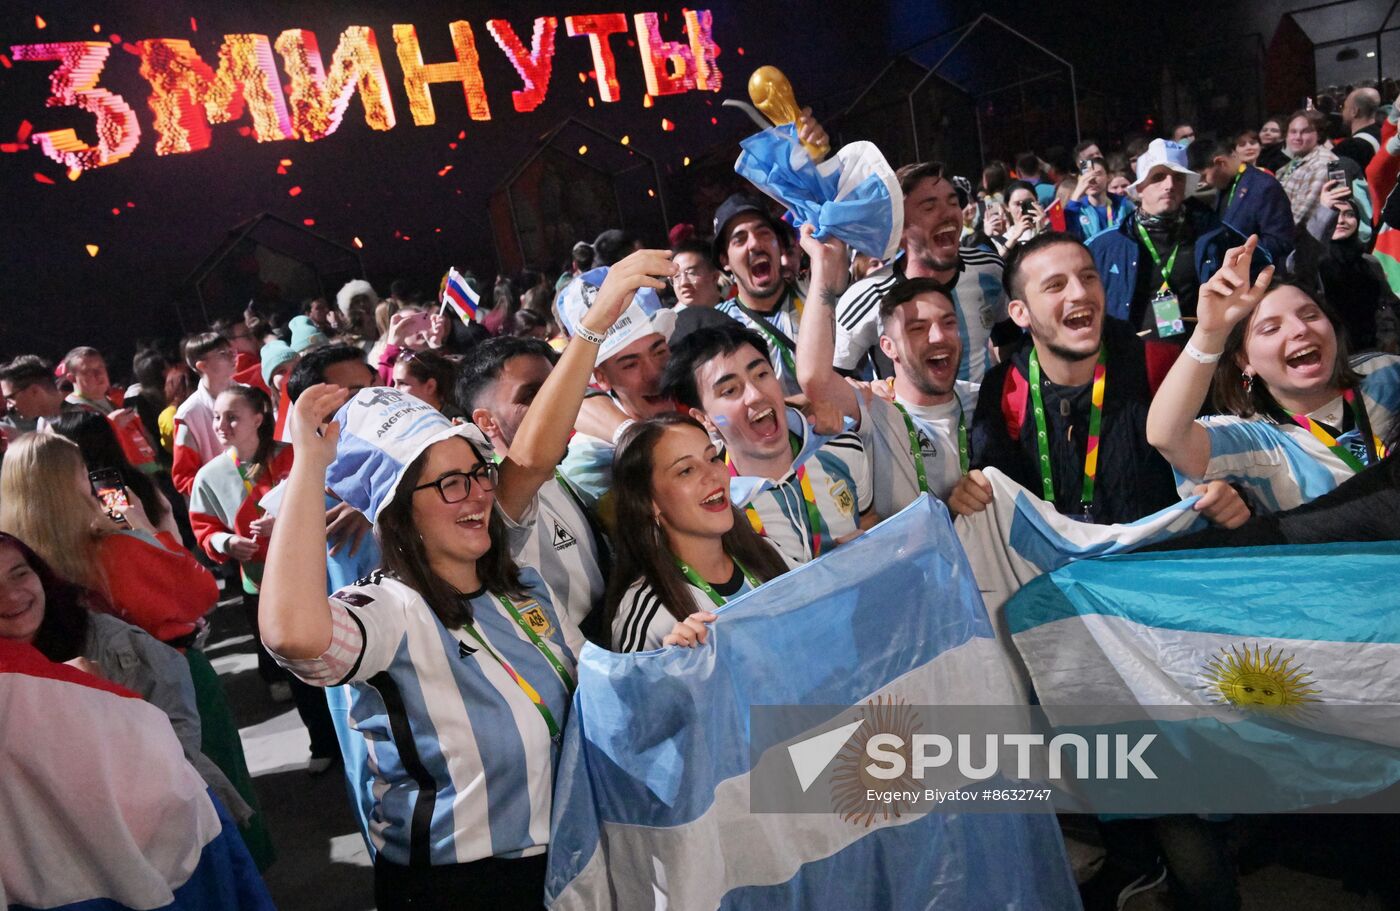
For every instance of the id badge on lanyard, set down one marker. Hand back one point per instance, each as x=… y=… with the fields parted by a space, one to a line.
x=1166 y=310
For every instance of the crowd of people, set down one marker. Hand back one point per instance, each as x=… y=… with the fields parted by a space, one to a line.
x=426 y=518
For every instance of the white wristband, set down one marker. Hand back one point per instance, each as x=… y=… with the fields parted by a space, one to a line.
x=1199 y=356
x=621 y=429
x=588 y=335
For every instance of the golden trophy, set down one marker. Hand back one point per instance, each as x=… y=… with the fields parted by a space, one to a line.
x=772 y=94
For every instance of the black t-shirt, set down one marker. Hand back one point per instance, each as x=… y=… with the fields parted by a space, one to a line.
x=1357 y=148
x=1133 y=479
x=731 y=588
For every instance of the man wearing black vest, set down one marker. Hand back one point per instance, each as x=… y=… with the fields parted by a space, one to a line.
x=1079 y=373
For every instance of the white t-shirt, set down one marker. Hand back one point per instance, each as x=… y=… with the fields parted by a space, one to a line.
x=894 y=477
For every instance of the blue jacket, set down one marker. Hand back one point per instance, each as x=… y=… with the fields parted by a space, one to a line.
x=1260 y=206
x=1116 y=254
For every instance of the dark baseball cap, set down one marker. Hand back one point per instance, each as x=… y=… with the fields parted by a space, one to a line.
x=736 y=205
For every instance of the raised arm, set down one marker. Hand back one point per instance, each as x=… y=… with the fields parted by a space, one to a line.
x=816 y=336
x=1224 y=300
x=544 y=433
x=294 y=616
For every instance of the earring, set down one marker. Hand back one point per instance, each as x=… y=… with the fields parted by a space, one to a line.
x=1248 y=384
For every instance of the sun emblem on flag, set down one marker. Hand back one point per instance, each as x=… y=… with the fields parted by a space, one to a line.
x=1259 y=678
x=849 y=778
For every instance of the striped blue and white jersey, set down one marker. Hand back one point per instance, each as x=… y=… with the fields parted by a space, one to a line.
x=785 y=319
x=462 y=760
x=838 y=471
x=555 y=539
x=588 y=467
x=977 y=296
x=1284 y=465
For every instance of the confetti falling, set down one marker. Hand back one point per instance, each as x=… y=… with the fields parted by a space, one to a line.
x=308 y=221
x=5 y=61
x=359 y=244
x=294 y=191
x=462 y=134
x=286 y=162
x=667 y=125
x=92 y=249
x=43 y=178
x=714 y=121
x=116 y=211
x=651 y=192
x=452 y=146
x=96 y=28
x=281 y=170
x=39 y=22
x=626 y=140
x=583 y=78
x=443 y=172
x=131 y=205
x=739 y=51
x=686 y=162
x=590 y=101
x=583 y=150
x=75 y=173
x=194 y=26
x=114 y=38
x=646 y=101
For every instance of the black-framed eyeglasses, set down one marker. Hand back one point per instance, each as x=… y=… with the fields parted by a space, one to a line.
x=456 y=486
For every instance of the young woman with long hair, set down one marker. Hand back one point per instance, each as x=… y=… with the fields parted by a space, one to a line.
x=687 y=550
x=101 y=450
x=142 y=575
x=458 y=669
x=1298 y=417
x=428 y=375
x=66 y=624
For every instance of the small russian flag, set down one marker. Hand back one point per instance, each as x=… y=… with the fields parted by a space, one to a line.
x=459 y=295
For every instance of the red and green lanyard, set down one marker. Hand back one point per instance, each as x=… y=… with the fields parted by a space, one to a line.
x=1042 y=437
x=917 y=451
x=525 y=687
x=698 y=581
x=1375 y=449
x=814 y=516
x=1166 y=270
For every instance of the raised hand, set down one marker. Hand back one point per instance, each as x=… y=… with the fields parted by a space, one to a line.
x=810 y=132
x=830 y=261
x=314 y=444
x=1229 y=296
x=642 y=269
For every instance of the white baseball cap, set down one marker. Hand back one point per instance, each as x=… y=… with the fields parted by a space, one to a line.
x=632 y=325
x=1167 y=154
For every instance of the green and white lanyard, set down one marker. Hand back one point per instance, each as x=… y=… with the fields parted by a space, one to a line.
x=695 y=579
x=1157 y=258
x=917 y=451
x=520 y=681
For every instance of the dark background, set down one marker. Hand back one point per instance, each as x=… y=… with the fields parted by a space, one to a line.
x=1132 y=62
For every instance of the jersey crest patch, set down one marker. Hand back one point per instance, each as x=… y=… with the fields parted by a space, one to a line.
x=538 y=621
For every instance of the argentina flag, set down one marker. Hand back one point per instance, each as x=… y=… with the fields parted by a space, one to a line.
x=1272 y=673
x=853 y=194
x=655 y=801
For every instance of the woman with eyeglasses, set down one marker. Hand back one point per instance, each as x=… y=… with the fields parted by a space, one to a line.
x=458 y=667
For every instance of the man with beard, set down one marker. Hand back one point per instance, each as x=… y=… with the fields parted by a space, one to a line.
x=1153 y=263
x=929 y=248
x=1083 y=375
x=917 y=443
x=804 y=492
x=749 y=244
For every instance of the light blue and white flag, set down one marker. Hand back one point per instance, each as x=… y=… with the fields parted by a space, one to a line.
x=652 y=804
x=1280 y=665
x=853 y=194
x=1020 y=536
